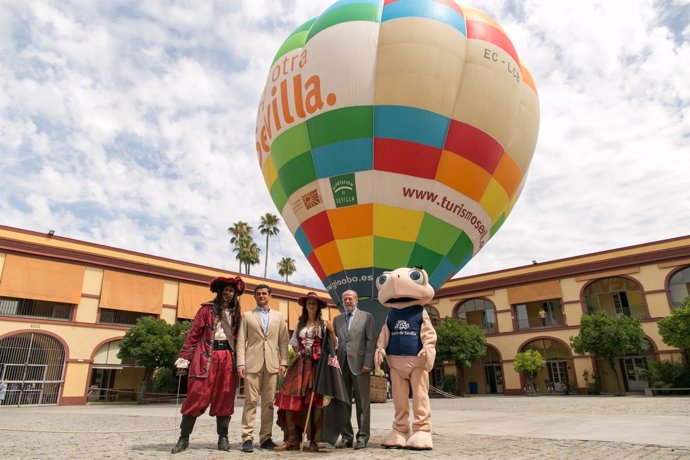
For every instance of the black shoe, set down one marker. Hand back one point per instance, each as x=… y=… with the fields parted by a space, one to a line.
x=268 y=444
x=223 y=443
x=342 y=444
x=360 y=444
x=247 y=446
x=182 y=444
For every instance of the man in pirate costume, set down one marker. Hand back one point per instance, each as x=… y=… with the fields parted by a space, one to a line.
x=208 y=354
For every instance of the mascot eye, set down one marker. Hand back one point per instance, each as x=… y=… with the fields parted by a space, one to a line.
x=417 y=276
x=381 y=280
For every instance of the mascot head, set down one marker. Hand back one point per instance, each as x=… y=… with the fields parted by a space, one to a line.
x=404 y=287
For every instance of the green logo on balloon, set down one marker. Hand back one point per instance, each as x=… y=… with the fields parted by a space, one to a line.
x=344 y=190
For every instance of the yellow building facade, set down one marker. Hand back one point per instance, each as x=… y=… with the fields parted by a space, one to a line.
x=539 y=307
x=65 y=305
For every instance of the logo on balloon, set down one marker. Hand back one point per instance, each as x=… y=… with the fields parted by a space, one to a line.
x=344 y=190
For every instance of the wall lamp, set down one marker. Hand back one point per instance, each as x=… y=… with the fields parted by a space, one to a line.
x=51 y=233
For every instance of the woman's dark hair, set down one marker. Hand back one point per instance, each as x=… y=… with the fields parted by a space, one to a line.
x=234 y=310
x=304 y=317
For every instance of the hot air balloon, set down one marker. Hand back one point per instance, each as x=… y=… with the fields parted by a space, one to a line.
x=395 y=133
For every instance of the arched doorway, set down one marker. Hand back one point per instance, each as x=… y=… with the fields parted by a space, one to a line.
x=33 y=367
x=113 y=379
x=493 y=372
x=630 y=369
x=557 y=374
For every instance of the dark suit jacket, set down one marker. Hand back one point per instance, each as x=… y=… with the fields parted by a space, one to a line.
x=357 y=344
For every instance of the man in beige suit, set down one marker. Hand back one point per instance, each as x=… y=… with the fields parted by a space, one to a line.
x=262 y=355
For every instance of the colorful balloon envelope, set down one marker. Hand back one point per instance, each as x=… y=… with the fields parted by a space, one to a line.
x=395 y=133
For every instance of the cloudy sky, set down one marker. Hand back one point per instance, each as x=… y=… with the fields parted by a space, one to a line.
x=130 y=123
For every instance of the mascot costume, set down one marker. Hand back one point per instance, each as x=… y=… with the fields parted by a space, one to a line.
x=408 y=342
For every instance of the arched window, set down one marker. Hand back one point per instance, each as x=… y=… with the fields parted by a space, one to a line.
x=434 y=316
x=479 y=312
x=679 y=285
x=616 y=296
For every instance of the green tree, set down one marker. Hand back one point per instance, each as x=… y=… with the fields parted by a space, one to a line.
x=152 y=343
x=675 y=329
x=461 y=344
x=269 y=227
x=607 y=338
x=530 y=362
x=286 y=267
x=239 y=230
x=247 y=252
x=252 y=257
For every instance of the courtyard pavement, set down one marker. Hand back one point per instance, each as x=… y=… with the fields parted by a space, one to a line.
x=480 y=427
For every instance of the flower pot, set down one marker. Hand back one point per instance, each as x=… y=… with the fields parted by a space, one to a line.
x=378 y=389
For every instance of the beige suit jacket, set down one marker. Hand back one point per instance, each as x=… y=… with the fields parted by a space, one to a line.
x=254 y=348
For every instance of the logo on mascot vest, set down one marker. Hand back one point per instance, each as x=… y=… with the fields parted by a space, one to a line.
x=402 y=325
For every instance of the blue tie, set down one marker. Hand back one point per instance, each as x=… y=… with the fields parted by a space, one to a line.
x=349 y=320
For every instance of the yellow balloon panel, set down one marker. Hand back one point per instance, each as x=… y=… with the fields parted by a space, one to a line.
x=419 y=65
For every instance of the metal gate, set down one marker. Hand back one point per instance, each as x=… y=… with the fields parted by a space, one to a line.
x=32 y=365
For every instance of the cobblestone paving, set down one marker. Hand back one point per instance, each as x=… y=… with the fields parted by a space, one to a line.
x=142 y=432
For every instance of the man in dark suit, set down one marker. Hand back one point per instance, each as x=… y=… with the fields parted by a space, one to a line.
x=356 y=343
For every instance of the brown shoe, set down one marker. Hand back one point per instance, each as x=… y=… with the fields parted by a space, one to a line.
x=286 y=446
x=313 y=447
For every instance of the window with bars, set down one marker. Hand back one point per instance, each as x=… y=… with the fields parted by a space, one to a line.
x=120 y=317
x=30 y=308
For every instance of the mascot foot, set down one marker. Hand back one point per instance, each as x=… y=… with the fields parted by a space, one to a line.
x=396 y=440
x=420 y=440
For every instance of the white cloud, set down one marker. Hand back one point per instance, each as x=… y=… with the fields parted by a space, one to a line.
x=131 y=124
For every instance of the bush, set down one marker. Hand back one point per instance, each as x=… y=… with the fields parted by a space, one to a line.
x=450 y=384
x=164 y=381
x=666 y=374
x=592 y=381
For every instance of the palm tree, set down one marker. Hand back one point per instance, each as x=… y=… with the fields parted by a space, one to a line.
x=238 y=231
x=253 y=257
x=286 y=267
x=247 y=252
x=269 y=227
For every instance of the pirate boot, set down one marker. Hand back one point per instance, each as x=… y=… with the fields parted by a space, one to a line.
x=222 y=424
x=292 y=442
x=186 y=427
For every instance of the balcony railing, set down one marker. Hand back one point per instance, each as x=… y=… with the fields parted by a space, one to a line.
x=538 y=323
x=634 y=311
x=488 y=328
